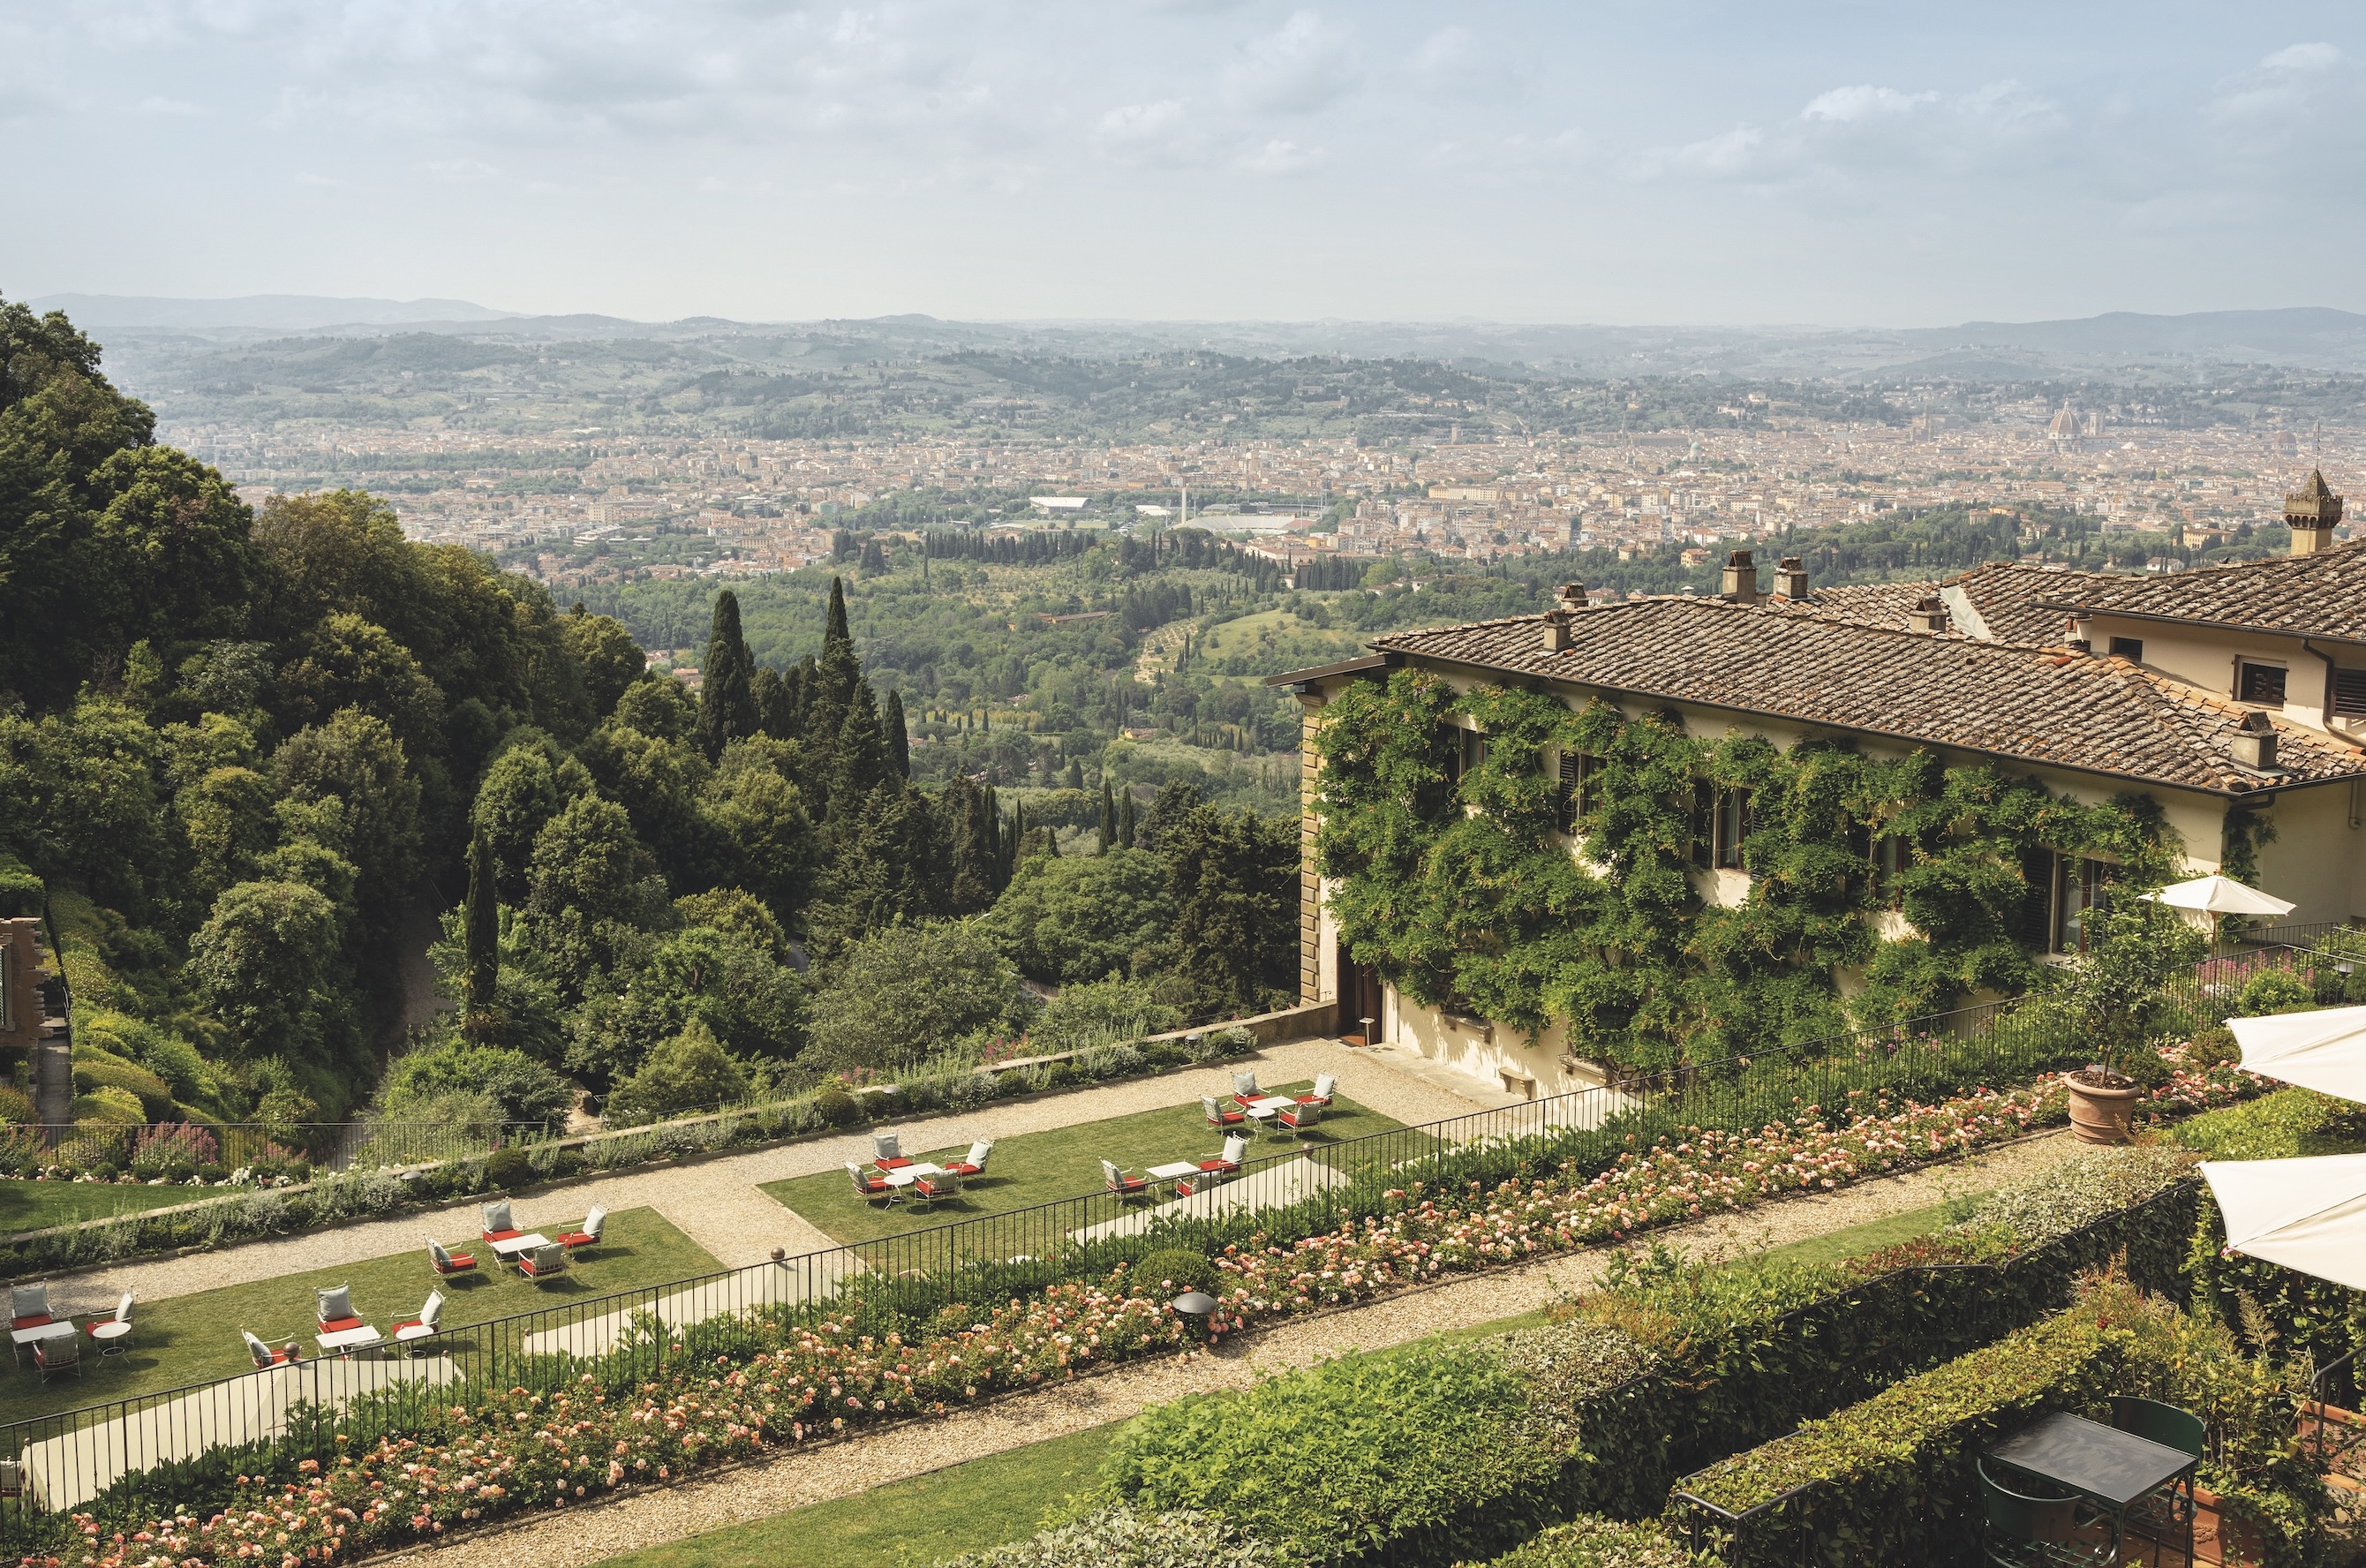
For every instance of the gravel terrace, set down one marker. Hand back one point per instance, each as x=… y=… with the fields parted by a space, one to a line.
x=715 y=1202
x=758 y=1490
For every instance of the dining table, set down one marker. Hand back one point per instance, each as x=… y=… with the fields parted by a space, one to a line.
x=2110 y=1468
x=18 y=1338
x=1265 y=1111
x=346 y=1342
x=507 y=1249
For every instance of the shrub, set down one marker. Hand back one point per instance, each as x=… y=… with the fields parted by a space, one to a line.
x=835 y=1106
x=15 y=1107
x=21 y=892
x=1121 y=1538
x=107 y=1103
x=1592 y=1542
x=508 y=1168
x=2281 y=1126
x=521 y=1089
x=2215 y=1047
x=97 y=1070
x=2275 y=990
x=1109 y=1012
x=1172 y=1268
x=1412 y=1455
x=686 y=1074
x=175 y=1149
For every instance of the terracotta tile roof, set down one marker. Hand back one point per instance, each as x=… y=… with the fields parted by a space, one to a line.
x=2099 y=714
x=2322 y=594
x=2015 y=603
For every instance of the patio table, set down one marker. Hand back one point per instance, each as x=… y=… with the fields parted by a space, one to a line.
x=1177 y=1171
x=344 y=1341
x=508 y=1250
x=18 y=1338
x=1265 y=1110
x=2103 y=1464
x=904 y=1175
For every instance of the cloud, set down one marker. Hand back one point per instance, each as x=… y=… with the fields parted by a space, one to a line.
x=1305 y=65
x=460 y=171
x=1850 y=105
x=1846 y=135
x=2307 y=99
x=1278 y=157
x=163 y=105
x=1451 y=61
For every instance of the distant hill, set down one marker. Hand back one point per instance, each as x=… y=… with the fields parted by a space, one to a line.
x=262 y=313
x=2306 y=333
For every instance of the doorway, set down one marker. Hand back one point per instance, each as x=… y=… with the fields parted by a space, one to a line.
x=1359 y=999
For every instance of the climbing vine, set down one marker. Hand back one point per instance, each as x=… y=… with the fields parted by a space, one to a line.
x=1454 y=881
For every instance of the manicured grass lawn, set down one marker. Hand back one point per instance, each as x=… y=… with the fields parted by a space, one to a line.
x=195 y=1338
x=1038 y=1167
x=35 y=1205
x=905 y=1524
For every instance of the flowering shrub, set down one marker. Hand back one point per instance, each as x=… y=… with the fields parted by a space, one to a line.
x=173 y=1149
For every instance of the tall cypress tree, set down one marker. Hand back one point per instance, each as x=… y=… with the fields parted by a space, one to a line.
x=838 y=666
x=1125 y=820
x=862 y=752
x=774 y=715
x=1076 y=774
x=1109 y=818
x=481 y=936
x=899 y=740
x=726 y=702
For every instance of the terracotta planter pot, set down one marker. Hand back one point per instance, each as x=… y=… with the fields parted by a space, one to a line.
x=2100 y=1116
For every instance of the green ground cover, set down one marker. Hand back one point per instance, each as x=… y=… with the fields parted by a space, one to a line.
x=905 y=1524
x=1065 y=1162
x=37 y=1205
x=2282 y=1125
x=195 y=1338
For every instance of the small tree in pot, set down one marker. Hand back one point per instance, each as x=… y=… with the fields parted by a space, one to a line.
x=2117 y=995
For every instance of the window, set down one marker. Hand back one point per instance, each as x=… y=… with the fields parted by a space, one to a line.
x=1889 y=862
x=2260 y=684
x=2350 y=694
x=1729 y=825
x=1576 y=772
x=2128 y=648
x=1474 y=749
x=1465 y=750
x=2077 y=882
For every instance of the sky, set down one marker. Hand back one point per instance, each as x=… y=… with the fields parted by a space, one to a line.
x=1674 y=161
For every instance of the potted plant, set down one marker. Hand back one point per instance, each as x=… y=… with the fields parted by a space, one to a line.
x=2117 y=999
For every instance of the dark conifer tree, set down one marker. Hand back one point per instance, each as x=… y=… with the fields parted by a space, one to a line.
x=899 y=739
x=1109 y=818
x=861 y=753
x=1076 y=774
x=1125 y=819
x=774 y=716
x=726 y=704
x=481 y=936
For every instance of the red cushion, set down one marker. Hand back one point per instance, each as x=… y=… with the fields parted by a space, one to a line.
x=891 y=1163
x=459 y=1261
x=401 y=1326
x=33 y=1322
x=965 y=1169
x=1246 y=1099
x=339 y=1325
x=1314 y=1099
x=501 y=1236
x=577 y=1238
x=1218 y=1165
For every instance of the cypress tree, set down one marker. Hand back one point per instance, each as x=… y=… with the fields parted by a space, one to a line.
x=1109 y=818
x=726 y=704
x=1076 y=774
x=838 y=668
x=481 y=934
x=862 y=752
x=1125 y=820
x=899 y=740
x=774 y=716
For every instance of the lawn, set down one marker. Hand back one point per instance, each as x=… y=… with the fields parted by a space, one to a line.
x=1039 y=1167
x=35 y=1205
x=905 y=1524
x=195 y=1338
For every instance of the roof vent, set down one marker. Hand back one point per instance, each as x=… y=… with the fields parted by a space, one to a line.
x=1557 y=630
x=2254 y=745
x=1791 y=578
x=1572 y=596
x=1928 y=615
x=1740 y=580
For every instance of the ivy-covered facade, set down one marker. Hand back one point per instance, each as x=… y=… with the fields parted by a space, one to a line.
x=1617 y=837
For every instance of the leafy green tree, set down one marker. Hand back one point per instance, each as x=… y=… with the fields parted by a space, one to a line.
x=357 y=758
x=691 y=1072
x=1076 y=774
x=610 y=659
x=750 y=801
x=347 y=662
x=894 y=998
x=726 y=702
x=176 y=547
x=586 y=882
x=660 y=782
x=1102 y=1012
x=1065 y=919
x=528 y=783
x=736 y=910
x=891 y=861
x=656 y=707
x=753 y=1002
x=522 y=1089
x=483 y=922
x=1173 y=803
x=82 y=798
x=263 y=963
x=225 y=820
x=1233 y=880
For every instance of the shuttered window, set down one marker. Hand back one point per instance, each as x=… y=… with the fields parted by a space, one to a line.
x=2349 y=692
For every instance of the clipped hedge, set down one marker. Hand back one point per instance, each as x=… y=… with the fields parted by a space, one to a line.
x=1592 y=1541
x=1121 y=1538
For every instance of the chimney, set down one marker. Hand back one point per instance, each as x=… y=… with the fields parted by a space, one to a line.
x=1557 y=630
x=2254 y=745
x=1928 y=615
x=1572 y=596
x=1740 y=580
x=2312 y=514
x=1791 y=578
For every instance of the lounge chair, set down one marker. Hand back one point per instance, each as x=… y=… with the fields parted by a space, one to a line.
x=542 y=1261
x=1235 y=1151
x=28 y=1307
x=973 y=1162
x=426 y=1326
x=1122 y=1183
x=576 y=1241
x=1299 y=1117
x=265 y=1357
x=499 y=1225
x=1324 y=1084
x=1187 y=1185
x=887 y=1151
x=109 y=1333
x=336 y=1310
x=55 y=1354
x=1245 y=1088
x=443 y=1260
x=870 y=1184
x=1222 y=1116
x=944 y=1183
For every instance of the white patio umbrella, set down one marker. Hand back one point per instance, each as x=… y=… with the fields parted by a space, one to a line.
x=2324 y=1050
x=2307 y=1213
x=2215 y=894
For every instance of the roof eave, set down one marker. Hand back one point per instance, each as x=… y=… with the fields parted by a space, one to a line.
x=1369 y=662
x=2070 y=607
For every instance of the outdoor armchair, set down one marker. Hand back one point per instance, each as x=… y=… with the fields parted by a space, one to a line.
x=887 y=1151
x=426 y=1326
x=2025 y=1530
x=973 y=1162
x=54 y=1356
x=29 y=1306
x=593 y=1222
x=2162 y=1515
x=1299 y=1117
x=445 y=1262
x=1245 y=1088
x=938 y=1184
x=109 y=1333
x=1209 y=1176
x=542 y=1261
x=336 y=1310
x=870 y=1184
x=265 y=1357
x=1222 y=1116
x=1324 y=1084
x=1235 y=1151
x=1124 y=1184
x=499 y=1225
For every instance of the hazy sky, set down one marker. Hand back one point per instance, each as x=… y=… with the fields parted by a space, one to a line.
x=1666 y=162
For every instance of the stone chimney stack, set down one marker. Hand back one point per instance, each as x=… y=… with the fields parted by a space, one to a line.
x=1740 y=580
x=1557 y=630
x=1928 y=615
x=2312 y=514
x=1791 y=578
x=2076 y=638
x=1572 y=596
x=2254 y=745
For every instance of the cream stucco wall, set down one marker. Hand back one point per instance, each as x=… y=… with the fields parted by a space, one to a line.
x=1485 y=1053
x=2317 y=858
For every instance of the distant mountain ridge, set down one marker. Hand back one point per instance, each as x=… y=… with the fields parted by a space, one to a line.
x=2310 y=337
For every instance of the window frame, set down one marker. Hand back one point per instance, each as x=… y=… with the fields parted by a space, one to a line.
x=2077 y=883
x=1573 y=773
x=2351 y=703
x=2128 y=648
x=2244 y=671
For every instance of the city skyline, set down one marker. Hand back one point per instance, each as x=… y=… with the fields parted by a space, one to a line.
x=1706 y=163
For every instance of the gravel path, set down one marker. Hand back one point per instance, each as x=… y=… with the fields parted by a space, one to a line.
x=814 y=1475
x=716 y=1203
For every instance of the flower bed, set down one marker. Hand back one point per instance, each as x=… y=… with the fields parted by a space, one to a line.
x=731 y=1389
